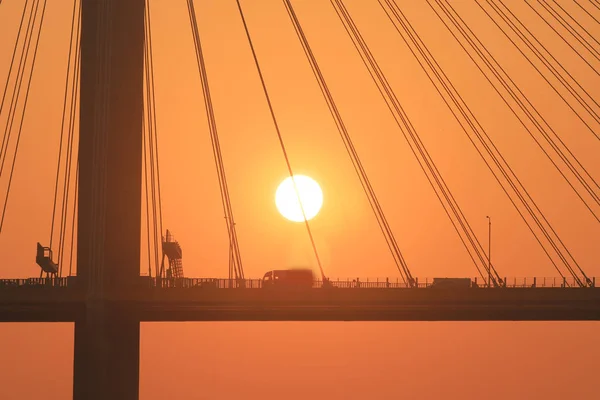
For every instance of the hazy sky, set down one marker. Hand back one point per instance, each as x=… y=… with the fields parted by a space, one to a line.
x=345 y=361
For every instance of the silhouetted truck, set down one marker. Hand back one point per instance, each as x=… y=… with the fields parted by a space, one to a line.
x=289 y=278
x=451 y=283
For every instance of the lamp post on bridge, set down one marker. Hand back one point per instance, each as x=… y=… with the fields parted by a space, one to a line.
x=489 y=250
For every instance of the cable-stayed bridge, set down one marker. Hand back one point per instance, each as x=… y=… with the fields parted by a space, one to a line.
x=113 y=160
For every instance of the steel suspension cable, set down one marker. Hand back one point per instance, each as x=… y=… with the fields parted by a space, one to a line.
x=586 y=11
x=522 y=101
x=150 y=146
x=583 y=28
x=20 y=129
x=470 y=118
x=73 y=44
x=18 y=83
x=509 y=89
x=481 y=136
x=540 y=219
x=427 y=164
x=71 y=166
x=12 y=60
x=492 y=273
x=349 y=145
x=73 y=112
x=18 y=73
x=569 y=28
x=236 y=266
x=73 y=220
x=551 y=11
x=434 y=177
x=544 y=61
x=566 y=26
x=280 y=137
x=62 y=130
x=68 y=164
x=148 y=218
x=154 y=121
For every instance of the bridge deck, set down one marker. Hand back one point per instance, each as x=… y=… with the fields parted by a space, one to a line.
x=67 y=303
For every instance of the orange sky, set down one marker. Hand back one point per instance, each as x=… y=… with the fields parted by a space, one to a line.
x=375 y=360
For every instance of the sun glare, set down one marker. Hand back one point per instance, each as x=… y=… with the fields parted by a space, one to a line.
x=311 y=196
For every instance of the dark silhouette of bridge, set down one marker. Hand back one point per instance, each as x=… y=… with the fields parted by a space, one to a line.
x=108 y=298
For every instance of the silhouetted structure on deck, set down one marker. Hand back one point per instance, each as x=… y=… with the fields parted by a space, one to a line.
x=43 y=258
x=172 y=251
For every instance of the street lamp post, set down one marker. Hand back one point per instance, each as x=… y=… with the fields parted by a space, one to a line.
x=489 y=250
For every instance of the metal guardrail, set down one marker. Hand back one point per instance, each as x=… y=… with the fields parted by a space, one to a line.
x=217 y=283
x=37 y=282
x=385 y=283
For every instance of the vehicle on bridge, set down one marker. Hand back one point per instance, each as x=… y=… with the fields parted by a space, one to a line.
x=289 y=278
x=451 y=283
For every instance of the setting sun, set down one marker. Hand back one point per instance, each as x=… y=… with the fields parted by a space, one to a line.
x=309 y=191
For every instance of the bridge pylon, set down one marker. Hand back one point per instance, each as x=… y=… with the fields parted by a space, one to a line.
x=106 y=360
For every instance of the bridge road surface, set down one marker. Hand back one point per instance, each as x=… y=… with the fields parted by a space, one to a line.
x=64 y=304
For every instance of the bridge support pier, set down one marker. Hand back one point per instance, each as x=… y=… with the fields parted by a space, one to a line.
x=106 y=364
x=106 y=356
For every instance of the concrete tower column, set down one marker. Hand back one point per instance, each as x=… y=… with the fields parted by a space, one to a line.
x=106 y=364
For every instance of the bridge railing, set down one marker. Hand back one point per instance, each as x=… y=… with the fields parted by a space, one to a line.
x=547 y=282
x=258 y=283
x=380 y=283
x=36 y=282
x=217 y=283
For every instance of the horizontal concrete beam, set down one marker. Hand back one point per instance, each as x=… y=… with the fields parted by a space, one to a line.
x=275 y=310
